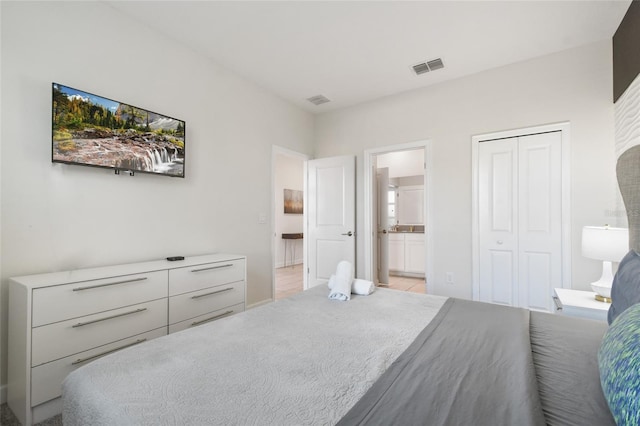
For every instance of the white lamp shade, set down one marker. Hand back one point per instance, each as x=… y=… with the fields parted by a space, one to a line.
x=605 y=243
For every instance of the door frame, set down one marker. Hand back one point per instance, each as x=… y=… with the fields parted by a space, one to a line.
x=565 y=131
x=369 y=231
x=275 y=151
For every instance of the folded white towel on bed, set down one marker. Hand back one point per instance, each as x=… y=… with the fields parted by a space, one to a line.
x=358 y=286
x=342 y=286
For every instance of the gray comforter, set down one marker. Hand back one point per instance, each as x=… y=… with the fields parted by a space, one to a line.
x=391 y=358
x=302 y=360
x=471 y=365
x=480 y=364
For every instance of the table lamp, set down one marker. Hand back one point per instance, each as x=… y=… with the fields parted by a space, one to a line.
x=609 y=245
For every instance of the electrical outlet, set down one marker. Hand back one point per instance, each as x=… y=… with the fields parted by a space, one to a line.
x=262 y=218
x=449 y=278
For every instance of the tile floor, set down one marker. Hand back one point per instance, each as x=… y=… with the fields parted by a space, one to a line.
x=289 y=281
x=414 y=285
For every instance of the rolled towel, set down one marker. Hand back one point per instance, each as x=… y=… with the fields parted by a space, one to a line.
x=344 y=277
x=332 y=281
x=362 y=287
x=358 y=286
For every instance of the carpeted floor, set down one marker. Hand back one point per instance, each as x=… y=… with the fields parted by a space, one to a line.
x=8 y=419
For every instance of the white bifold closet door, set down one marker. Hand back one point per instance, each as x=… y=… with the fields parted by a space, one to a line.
x=520 y=220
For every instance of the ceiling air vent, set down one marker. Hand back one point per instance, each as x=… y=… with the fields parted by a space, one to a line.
x=425 y=67
x=318 y=99
x=436 y=64
x=421 y=68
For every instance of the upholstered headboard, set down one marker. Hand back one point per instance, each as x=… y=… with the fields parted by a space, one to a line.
x=628 y=172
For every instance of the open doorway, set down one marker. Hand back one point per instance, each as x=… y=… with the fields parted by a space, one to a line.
x=401 y=217
x=397 y=219
x=288 y=221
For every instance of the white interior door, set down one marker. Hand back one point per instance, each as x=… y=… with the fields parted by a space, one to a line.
x=540 y=219
x=331 y=216
x=382 y=181
x=498 y=215
x=520 y=220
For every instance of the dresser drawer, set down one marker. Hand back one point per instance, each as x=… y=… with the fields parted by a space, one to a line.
x=59 y=303
x=55 y=341
x=46 y=379
x=189 y=305
x=207 y=318
x=183 y=280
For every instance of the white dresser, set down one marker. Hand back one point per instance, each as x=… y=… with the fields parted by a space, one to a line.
x=60 y=321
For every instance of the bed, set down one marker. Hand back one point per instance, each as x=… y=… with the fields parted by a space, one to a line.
x=311 y=360
x=387 y=358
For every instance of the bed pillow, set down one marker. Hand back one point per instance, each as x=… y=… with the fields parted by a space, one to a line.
x=619 y=364
x=625 y=290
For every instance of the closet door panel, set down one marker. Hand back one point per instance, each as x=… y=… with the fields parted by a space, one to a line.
x=498 y=221
x=540 y=212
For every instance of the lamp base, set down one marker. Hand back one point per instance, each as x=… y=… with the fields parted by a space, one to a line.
x=602 y=287
x=603 y=299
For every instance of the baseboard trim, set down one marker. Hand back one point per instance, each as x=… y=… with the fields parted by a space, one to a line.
x=3 y=394
x=262 y=302
x=406 y=274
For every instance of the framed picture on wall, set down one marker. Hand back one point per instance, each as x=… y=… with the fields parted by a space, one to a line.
x=292 y=201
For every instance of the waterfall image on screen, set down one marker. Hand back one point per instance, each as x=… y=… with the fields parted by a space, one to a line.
x=95 y=131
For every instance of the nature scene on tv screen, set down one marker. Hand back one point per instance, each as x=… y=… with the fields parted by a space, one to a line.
x=89 y=129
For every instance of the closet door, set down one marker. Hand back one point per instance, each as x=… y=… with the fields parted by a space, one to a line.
x=539 y=219
x=498 y=216
x=520 y=220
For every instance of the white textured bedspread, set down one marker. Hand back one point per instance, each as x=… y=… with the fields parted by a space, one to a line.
x=301 y=360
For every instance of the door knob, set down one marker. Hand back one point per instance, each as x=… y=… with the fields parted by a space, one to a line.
x=499 y=241
x=348 y=234
x=384 y=231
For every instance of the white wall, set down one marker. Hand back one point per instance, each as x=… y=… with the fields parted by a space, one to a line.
x=57 y=217
x=289 y=175
x=572 y=86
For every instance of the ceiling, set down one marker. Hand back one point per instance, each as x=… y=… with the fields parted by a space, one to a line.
x=356 y=51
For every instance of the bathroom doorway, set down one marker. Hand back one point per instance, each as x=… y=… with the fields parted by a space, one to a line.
x=397 y=220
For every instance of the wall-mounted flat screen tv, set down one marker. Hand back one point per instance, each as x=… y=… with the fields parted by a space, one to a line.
x=90 y=130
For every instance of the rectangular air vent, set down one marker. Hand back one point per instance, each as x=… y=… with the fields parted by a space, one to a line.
x=425 y=67
x=421 y=68
x=435 y=64
x=318 y=99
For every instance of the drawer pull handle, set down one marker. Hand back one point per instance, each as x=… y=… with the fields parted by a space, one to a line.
x=212 y=267
x=212 y=318
x=211 y=292
x=81 y=360
x=555 y=302
x=80 y=324
x=108 y=284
